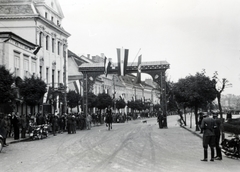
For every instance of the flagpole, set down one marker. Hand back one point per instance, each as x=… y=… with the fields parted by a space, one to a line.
x=136 y=56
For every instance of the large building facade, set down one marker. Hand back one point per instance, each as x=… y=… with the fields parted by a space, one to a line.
x=38 y=22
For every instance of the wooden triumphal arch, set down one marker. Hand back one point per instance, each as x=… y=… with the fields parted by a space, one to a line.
x=156 y=69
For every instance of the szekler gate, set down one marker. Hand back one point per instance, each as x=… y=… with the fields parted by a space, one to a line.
x=156 y=69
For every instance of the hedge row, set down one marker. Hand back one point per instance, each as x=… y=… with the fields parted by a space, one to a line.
x=232 y=126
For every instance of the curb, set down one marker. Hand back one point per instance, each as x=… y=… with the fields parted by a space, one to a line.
x=193 y=132
x=17 y=141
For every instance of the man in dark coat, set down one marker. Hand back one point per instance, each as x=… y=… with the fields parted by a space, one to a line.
x=16 y=123
x=54 y=124
x=208 y=125
x=217 y=136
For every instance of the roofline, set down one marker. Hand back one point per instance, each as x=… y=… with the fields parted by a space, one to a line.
x=15 y=37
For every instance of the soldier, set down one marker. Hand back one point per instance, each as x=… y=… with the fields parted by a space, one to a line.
x=16 y=122
x=23 y=125
x=217 y=136
x=208 y=125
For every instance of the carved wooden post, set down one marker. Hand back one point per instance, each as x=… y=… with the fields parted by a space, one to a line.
x=85 y=92
x=163 y=97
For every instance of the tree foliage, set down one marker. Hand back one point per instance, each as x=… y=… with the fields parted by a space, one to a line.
x=92 y=100
x=136 y=105
x=120 y=103
x=194 y=92
x=6 y=81
x=103 y=101
x=32 y=90
x=73 y=99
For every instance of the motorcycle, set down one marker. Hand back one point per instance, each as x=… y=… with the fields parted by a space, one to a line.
x=38 y=131
x=231 y=147
x=44 y=130
x=34 y=132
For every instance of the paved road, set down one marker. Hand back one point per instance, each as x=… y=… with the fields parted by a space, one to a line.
x=129 y=147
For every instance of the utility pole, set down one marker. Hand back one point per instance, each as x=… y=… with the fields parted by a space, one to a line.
x=65 y=80
x=114 y=94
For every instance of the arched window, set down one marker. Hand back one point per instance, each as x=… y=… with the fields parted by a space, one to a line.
x=47 y=42
x=40 y=38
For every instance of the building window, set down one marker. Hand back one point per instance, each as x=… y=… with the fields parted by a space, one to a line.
x=40 y=38
x=53 y=72
x=26 y=66
x=64 y=51
x=52 y=19
x=46 y=15
x=53 y=43
x=17 y=64
x=33 y=67
x=47 y=75
x=59 y=48
x=40 y=72
x=47 y=42
x=58 y=77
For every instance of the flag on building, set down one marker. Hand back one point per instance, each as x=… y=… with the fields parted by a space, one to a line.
x=122 y=55
x=77 y=86
x=45 y=97
x=139 y=69
x=107 y=65
x=36 y=50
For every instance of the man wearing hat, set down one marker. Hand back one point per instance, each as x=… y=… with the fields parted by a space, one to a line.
x=217 y=136
x=208 y=125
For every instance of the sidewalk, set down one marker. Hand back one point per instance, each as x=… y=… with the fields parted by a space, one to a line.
x=10 y=140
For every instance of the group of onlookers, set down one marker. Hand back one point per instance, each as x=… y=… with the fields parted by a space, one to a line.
x=16 y=126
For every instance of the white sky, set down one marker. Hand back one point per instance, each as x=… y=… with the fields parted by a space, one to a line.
x=191 y=35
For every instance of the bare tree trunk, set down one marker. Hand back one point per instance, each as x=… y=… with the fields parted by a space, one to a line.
x=191 y=119
x=196 y=118
x=220 y=110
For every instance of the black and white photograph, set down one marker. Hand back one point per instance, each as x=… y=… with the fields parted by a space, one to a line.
x=119 y=85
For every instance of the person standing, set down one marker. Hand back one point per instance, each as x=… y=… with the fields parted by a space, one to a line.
x=23 y=125
x=16 y=122
x=217 y=133
x=88 y=121
x=69 y=124
x=208 y=125
x=54 y=124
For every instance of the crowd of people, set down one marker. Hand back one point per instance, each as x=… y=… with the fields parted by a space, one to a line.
x=17 y=126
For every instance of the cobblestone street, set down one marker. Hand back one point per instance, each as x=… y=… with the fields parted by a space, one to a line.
x=132 y=146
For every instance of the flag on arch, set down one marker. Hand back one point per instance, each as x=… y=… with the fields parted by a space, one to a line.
x=139 y=69
x=122 y=55
x=107 y=65
x=77 y=86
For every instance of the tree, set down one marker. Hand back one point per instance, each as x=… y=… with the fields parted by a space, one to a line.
x=120 y=103
x=32 y=90
x=73 y=99
x=136 y=105
x=7 y=95
x=92 y=100
x=103 y=101
x=195 y=92
x=219 y=89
